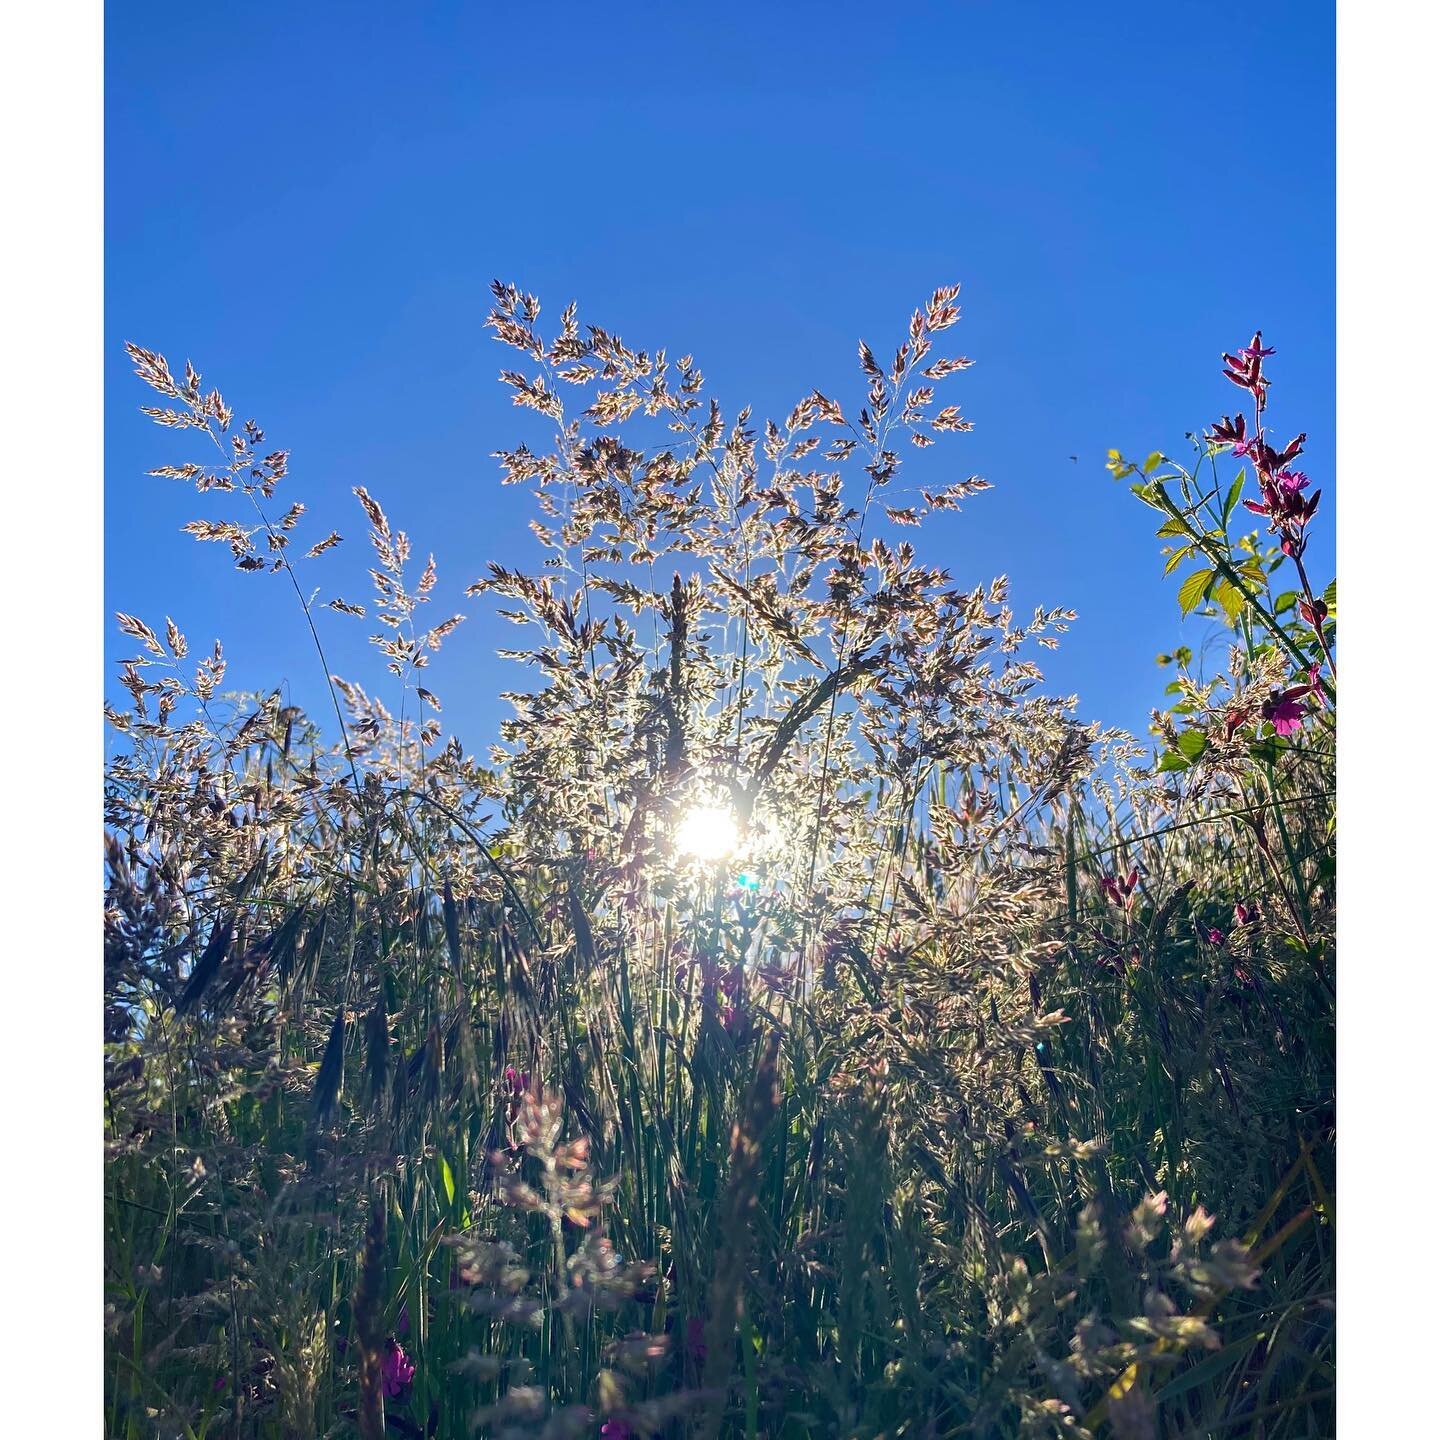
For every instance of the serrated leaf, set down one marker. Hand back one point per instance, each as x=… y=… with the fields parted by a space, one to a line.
x=1181 y=555
x=1171 y=527
x=1195 y=588
x=1191 y=744
x=1232 y=601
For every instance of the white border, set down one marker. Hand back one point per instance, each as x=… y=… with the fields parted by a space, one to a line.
x=1389 y=606
x=51 y=79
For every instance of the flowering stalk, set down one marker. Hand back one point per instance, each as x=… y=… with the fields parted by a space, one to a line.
x=1282 y=499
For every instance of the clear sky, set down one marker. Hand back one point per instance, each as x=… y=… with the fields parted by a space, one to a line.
x=309 y=201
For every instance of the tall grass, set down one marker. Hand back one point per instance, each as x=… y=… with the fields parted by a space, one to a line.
x=980 y=1082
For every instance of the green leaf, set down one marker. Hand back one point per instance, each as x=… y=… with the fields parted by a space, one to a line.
x=1170 y=760
x=1172 y=527
x=1191 y=743
x=1195 y=588
x=447 y=1180
x=1329 y=596
x=1183 y=553
x=1232 y=601
x=1267 y=752
x=1286 y=601
x=1153 y=461
x=1233 y=498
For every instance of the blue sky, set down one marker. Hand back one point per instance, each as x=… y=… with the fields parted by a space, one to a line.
x=310 y=202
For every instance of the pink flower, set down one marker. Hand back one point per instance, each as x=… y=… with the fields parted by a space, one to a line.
x=517 y=1080
x=1246 y=369
x=1216 y=937
x=1285 y=713
x=397 y=1370
x=616 y=1430
x=1118 y=889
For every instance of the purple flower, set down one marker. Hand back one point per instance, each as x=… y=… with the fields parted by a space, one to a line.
x=1245 y=369
x=1285 y=709
x=617 y=1430
x=517 y=1080
x=397 y=1370
x=1230 y=430
x=1119 y=888
x=1216 y=937
x=1285 y=712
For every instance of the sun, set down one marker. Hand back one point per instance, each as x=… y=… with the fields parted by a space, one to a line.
x=708 y=832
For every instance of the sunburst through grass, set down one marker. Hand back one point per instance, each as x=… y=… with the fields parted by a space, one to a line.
x=799 y=1025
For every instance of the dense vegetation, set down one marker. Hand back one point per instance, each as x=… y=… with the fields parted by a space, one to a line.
x=799 y=1026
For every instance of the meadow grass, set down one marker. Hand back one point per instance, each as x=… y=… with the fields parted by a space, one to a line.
x=799 y=1026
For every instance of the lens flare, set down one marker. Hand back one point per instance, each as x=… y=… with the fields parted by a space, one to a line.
x=708 y=832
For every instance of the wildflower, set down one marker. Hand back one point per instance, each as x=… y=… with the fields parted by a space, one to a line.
x=1284 y=712
x=1246 y=369
x=1110 y=956
x=1120 y=890
x=1282 y=501
x=518 y=1081
x=1218 y=938
x=1231 y=430
x=397 y=1370
x=1285 y=709
x=1233 y=721
x=1244 y=915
